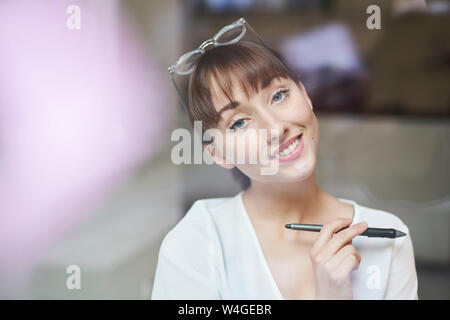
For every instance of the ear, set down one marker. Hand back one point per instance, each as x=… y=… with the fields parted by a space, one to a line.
x=303 y=90
x=217 y=156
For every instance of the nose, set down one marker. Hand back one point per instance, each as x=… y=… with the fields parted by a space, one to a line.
x=276 y=129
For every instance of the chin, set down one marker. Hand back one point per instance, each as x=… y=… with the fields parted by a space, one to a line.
x=292 y=177
x=296 y=172
x=286 y=174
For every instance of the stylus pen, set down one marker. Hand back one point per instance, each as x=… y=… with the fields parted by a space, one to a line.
x=370 y=232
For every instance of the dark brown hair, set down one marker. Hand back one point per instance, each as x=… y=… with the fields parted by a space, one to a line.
x=247 y=64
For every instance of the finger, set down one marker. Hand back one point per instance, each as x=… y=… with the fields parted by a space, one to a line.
x=341 y=255
x=349 y=264
x=327 y=231
x=340 y=239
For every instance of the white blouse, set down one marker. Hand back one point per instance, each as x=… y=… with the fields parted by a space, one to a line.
x=213 y=253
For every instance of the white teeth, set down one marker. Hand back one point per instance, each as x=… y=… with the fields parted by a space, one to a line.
x=286 y=151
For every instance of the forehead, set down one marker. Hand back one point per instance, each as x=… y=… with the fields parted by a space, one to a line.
x=237 y=91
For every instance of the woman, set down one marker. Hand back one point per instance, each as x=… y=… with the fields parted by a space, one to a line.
x=238 y=247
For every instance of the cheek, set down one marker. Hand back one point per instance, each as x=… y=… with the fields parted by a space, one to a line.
x=301 y=114
x=232 y=147
x=298 y=109
x=302 y=111
x=312 y=131
x=242 y=146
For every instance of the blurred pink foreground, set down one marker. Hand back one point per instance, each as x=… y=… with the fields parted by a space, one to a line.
x=79 y=109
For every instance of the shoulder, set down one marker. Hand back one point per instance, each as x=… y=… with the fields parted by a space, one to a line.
x=190 y=260
x=379 y=218
x=196 y=228
x=388 y=262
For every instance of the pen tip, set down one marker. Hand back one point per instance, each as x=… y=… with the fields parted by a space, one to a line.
x=288 y=225
x=399 y=234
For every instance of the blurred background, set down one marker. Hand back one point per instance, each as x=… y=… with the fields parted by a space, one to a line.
x=87 y=110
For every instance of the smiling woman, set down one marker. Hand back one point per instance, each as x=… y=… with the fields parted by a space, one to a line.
x=238 y=247
x=227 y=84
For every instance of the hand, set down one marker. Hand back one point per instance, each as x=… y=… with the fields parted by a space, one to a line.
x=334 y=258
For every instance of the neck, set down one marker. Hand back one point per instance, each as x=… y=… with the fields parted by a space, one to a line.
x=285 y=202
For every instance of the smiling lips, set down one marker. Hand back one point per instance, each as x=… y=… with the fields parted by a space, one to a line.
x=291 y=149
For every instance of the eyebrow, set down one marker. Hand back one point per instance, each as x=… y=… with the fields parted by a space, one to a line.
x=235 y=104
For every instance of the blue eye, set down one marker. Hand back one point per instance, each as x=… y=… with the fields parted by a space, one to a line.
x=279 y=95
x=237 y=124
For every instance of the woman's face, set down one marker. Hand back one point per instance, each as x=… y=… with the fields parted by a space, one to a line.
x=283 y=111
